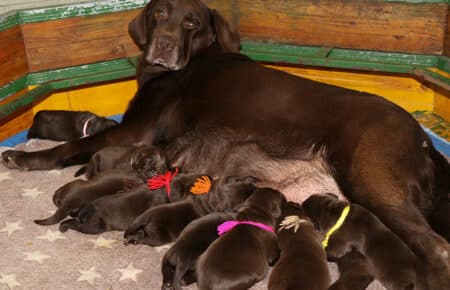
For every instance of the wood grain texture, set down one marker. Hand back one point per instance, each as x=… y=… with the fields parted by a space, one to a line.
x=370 y=25
x=447 y=34
x=78 y=40
x=13 y=60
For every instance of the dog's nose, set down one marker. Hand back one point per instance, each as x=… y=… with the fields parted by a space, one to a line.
x=165 y=43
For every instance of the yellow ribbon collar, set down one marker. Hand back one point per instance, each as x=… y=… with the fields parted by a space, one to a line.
x=336 y=226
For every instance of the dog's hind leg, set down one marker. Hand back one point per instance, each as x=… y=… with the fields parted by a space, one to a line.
x=395 y=182
x=70 y=224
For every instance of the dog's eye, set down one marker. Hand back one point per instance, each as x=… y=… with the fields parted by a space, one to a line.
x=190 y=24
x=161 y=14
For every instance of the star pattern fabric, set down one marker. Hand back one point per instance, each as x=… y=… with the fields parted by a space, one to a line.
x=41 y=257
x=130 y=272
x=11 y=227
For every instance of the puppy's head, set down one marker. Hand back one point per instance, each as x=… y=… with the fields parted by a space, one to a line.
x=170 y=32
x=231 y=192
x=149 y=161
x=151 y=234
x=99 y=124
x=322 y=208
x=265 y=204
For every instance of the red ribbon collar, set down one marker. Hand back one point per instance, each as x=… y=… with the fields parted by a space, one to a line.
x=159 y=181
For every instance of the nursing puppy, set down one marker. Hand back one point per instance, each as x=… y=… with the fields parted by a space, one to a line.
x=73 y=195
x=241 y=256
x=67 y=125
x=394 y=264
x=303 y=261
x=163 y=224
x=114 y=212
x=178 y=265
x=146 y=161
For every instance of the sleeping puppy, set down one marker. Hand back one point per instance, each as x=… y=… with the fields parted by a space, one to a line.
x=146 y=161
x=303 y=261
x=72 y=196
x=178 y=265
x=394 y=264
x=67 y=125
x=114 y=212
x=163 y=224
x=241 y=257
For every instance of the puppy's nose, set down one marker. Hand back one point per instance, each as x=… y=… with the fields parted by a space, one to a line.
x=165 y=43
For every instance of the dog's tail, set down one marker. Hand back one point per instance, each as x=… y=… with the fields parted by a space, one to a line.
x=80 y=171
x=439 y=218
x=61 y=213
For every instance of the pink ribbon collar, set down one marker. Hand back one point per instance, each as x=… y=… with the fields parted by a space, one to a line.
x=229 y=225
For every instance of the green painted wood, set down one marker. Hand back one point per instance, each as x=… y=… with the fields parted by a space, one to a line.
x=52 y=86
x=106 y=6
x=13 y=87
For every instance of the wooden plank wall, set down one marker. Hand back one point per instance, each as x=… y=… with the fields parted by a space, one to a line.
x=78 y=40
x=447 y=35
x=370 y=25
x=13 y=59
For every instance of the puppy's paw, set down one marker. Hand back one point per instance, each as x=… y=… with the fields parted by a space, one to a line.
x=14 y=159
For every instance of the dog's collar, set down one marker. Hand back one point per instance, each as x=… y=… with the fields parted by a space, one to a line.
x=229 y=225
x=159 y=181
x=201 y=186
x=292 y=222
x=85 y=125
x=336 y=226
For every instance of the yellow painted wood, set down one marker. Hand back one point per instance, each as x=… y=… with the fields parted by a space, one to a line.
x=104 y=100
x=442 y=105
x=405 y=92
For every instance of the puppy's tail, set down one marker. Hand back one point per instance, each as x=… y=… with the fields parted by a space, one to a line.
x=58 y=216
x=80 y=171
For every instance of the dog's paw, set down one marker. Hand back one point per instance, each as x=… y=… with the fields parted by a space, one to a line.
x=14 y=159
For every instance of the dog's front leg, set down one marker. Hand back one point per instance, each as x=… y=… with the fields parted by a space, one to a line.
x=77 y=151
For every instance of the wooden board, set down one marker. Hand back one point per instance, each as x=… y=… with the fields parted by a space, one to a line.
x=13 y=60
x=78 y=40
x=447 y=34
x=370 y=25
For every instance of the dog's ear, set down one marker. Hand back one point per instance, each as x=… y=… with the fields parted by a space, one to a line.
x=137 y=28
x=228 y=39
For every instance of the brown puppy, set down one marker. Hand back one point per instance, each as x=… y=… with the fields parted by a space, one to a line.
x=72 y=196
x=394 y=264
x=115 y=212
x=178 y=265
x=303 y=261
x=241 y=257
x=146 y=161
x=191 y=62
x=163 y=224
x=67 y=125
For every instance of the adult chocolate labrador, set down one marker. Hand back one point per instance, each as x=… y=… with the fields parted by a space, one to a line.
x=192 y=77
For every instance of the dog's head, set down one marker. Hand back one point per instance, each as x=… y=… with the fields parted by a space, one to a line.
x=322 y=209
x=148 y=161
x=264 y=204
x=170 y=32
x=99 y=124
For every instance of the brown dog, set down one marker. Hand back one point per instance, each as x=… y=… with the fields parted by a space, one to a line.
x=355 y=272
x=241 y=257
x=78 y=193
x=178 y=265
x=163 y=224
x=303 y=261
x=145 y=161
x=114 y=212
x=394 y=264
x=195 y=79
x=67 y=125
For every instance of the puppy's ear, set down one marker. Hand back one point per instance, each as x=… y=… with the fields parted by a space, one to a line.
x=228 y=39
x=137 y=28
